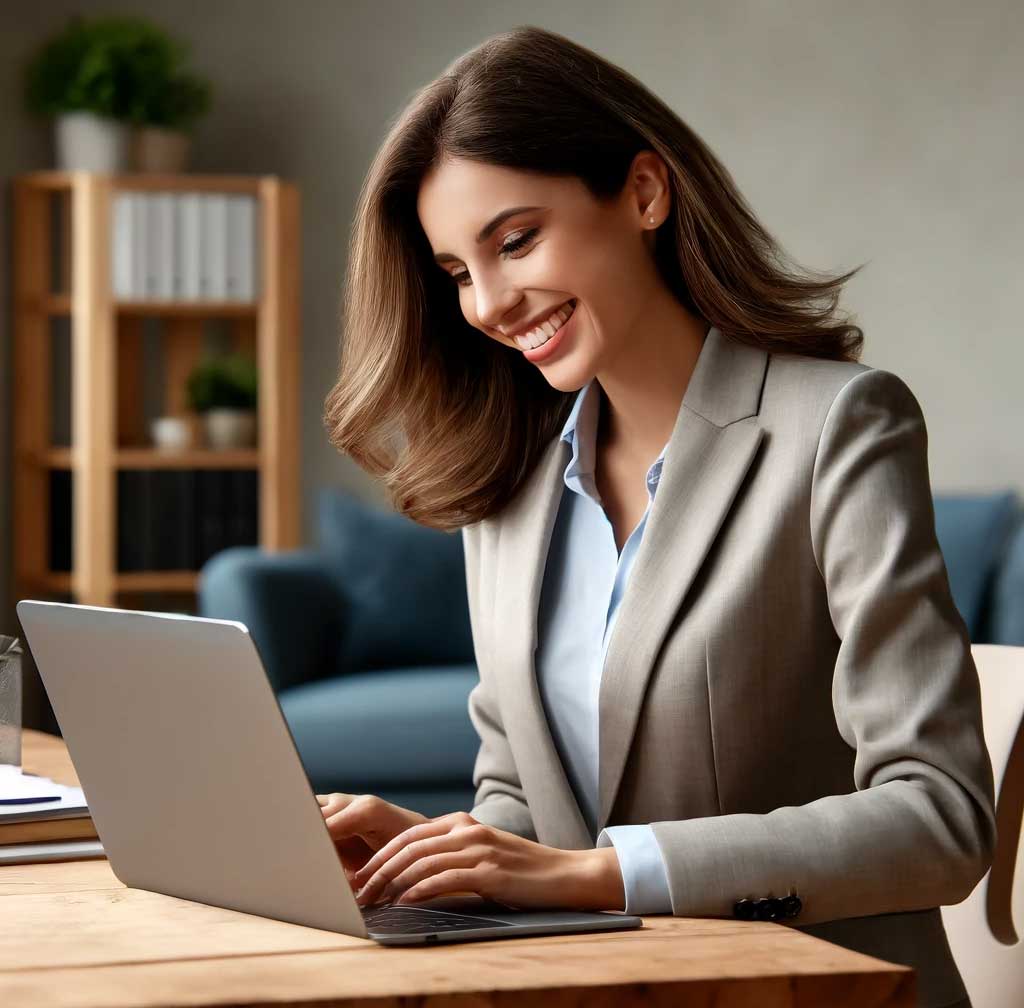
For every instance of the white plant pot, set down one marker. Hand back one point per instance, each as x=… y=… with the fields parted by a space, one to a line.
x=155 y=149
x=230 y=428
x=85 y=141
x=171 y=433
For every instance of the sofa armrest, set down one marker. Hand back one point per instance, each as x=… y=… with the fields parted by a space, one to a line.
x=294 y=611
x=1007 y=606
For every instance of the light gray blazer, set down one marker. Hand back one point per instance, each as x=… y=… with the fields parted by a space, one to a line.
x=789 y=696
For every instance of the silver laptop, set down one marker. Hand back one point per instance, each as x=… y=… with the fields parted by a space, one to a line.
x=196 y=788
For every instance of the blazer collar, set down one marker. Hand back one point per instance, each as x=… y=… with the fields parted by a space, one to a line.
x=713 y=442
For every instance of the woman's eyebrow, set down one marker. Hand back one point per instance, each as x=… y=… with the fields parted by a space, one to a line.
x=488 y=229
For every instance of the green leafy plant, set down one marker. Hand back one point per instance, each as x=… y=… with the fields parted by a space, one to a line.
x=122 y=67
x=177 y=105
x=226 y=381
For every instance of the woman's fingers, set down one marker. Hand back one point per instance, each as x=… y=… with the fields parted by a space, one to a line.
x=454 y=880
x=417 y=861
x=353 y=850
x=460 y=870
x=330 y=803
x=432 y=828
x=363 y=816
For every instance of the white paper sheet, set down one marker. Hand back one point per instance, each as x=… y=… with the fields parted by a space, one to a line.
x=71 y=800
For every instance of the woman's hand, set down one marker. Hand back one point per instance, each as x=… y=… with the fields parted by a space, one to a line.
x=360 y=825
x=456 y=853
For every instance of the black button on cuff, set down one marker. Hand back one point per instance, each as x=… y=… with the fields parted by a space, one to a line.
x=770 y=908
x=744 y=909
x=791 y=906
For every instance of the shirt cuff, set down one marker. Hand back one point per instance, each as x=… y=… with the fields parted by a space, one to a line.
x=644 y=876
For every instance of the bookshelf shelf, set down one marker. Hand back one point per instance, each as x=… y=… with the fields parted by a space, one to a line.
x=188 y=309
x=152 y=458
x=157 y=581
x=57 y=181
x=63 y=262
x=60 y=304
x=137 y=581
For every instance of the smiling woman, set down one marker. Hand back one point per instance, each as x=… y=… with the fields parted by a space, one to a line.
x=721 y=671
x=533 y=173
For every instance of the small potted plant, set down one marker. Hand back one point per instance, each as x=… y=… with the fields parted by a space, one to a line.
x=108 y=79
x=163 y=135
x=223 y=389
x=165 y=109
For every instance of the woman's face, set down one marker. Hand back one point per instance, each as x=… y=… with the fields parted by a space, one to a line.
x=568 y=249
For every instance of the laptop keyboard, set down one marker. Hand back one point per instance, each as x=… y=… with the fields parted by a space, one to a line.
x=418 y=920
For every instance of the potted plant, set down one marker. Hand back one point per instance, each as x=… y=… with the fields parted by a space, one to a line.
x=165 y=108
x=162 y=136
x=224 y=390
x=103 y=79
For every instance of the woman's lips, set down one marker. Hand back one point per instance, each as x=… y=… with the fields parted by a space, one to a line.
x=546 y=350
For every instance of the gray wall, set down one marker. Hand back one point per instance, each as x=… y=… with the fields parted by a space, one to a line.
x=871 y=131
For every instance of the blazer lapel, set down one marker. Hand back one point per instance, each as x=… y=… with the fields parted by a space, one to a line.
x=714 y=441
x=524 y=534
x=708 y=455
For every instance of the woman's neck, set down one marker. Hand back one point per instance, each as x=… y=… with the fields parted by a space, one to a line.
x=643 y=387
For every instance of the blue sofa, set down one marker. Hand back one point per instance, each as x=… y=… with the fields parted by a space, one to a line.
x=366 y=639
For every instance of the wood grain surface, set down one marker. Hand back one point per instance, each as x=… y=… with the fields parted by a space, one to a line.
x=74 y=936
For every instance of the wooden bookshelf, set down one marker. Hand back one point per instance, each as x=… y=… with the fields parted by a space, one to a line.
x=65 y=271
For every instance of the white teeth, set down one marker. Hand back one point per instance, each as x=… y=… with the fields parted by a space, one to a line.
x=542 y=333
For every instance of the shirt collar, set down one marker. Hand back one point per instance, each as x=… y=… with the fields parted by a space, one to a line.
x=580 y=432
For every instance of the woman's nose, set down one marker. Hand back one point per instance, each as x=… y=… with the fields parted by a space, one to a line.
x=494 y=302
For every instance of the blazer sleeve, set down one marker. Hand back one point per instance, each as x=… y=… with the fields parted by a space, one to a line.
x=499 y=800
x=919 y=830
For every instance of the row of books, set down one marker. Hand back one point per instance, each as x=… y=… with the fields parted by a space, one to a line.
x=44 y=831
x=167 y=519
x=187 y=246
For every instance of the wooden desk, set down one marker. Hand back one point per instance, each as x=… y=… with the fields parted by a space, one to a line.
x=71 y=935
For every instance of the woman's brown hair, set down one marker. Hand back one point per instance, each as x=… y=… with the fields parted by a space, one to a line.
x=454 y=421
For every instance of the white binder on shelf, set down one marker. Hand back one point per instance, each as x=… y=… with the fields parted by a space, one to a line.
x=214 y=241
x=248 y=282
x=164 y=204
x=189 y=245
x=121 y=245
x=240 y=252
x=177 y=251
x=138 y=244
x=151 y=242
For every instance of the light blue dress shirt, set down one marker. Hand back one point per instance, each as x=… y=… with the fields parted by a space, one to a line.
x=584 y=580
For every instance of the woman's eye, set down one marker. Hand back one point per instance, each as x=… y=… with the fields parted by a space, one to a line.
x=518 y=243
x=507 y=249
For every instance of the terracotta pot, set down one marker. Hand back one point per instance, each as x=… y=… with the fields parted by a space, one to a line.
x=155 y=149
x=230 y=428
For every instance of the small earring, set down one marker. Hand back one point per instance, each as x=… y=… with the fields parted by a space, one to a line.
x=652 y=220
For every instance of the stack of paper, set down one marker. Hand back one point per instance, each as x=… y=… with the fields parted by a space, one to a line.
x=41 y=820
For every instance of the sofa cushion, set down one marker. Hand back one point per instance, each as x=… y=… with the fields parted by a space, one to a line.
x=1006 y=614
x=385 y=727
x=405 y=585
x=972 y=530
x=431 y=802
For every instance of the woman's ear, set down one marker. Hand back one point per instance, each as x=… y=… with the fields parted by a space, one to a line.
x=650 y=192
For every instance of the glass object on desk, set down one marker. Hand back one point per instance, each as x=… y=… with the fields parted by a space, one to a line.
x=10 y=703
